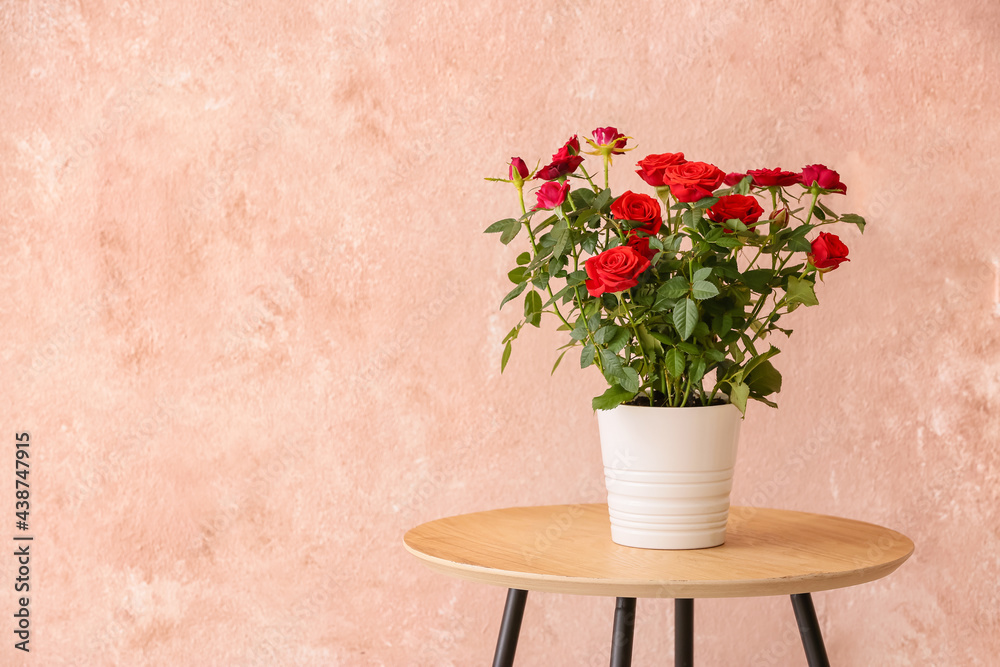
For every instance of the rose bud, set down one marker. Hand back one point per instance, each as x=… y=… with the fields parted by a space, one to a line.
x=733 y=178
x=779 y=220
x=517 y=164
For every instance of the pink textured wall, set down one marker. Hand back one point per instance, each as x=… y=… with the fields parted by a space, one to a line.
x=249 y=316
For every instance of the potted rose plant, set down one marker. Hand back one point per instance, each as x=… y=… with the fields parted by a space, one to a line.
x=674 y=294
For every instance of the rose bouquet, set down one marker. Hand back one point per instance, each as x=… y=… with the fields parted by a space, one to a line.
x=673 y=297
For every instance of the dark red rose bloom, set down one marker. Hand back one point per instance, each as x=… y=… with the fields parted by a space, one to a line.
x=639 y=208
x=769 y=178
x=641 y=245
x=610 y=136
x=614 y=270
x=692 y=181
x=651 y=167
x=734 y=178
x=828 y=252
x=740 y=207
x=564 y=161
x=518 y=164
x=825 y=178
x=551 y=194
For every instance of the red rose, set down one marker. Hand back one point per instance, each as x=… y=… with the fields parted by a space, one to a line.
x=769 y=178
x=828 y=252
x=564 y=161
x=651 y=167
x=610 y=136
x=551 y=194
x=692 y=181
x=641 y=245
x=614 y=270
x=638 y=208
x=740 y=207
x=825 y=178
x=517 y=163
x=733 y=178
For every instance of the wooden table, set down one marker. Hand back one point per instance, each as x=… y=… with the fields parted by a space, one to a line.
x=568 y=549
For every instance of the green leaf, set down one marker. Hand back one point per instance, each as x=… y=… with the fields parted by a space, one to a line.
x=506 y=357
x=764 y=380
x=685 y=318
x=739 y=392
x=702 y=289
x=800 y=290
x=500 y=225
x=729 y=241
x=560 y=234
x=621 y=339
x=630 y=380
x=799 y=244
x=612 y=398
x=517 y=275
x=512 y=334
x=556 y=365
x=690 y=348
x=674 y=288
x=533 y=308
x=523 y=258
x=674 y=363
x=576 y=278
x=582 y=197
x=759 y=280
x=722 y=324
x=602 y=199
x=606 y=333
x=701 y=274
x=854 y=219
x=650 y=346
x=587 y=355
x=513 y=293
x=510 y=231
x=697 y=371
x=612 y=365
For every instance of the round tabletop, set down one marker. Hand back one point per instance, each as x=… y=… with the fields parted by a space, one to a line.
x=568 y=549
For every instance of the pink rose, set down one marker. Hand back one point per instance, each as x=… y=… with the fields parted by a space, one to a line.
x=551 y=195
x=610 y=136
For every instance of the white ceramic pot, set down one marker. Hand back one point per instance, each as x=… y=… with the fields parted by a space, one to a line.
x=669 y=472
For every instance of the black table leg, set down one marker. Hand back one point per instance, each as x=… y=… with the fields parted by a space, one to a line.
x=683 y=632
x=812 y=638
x=621 y=639
x=510 y=628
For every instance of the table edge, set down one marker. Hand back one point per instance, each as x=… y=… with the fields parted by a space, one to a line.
x=810 y=583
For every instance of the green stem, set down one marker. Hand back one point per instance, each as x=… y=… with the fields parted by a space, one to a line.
x=812 y=205
x=590 y=180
